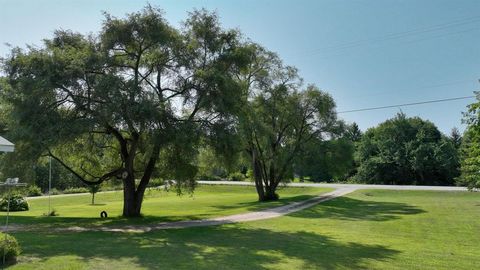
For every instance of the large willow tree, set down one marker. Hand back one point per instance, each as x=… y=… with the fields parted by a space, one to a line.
x=127 y=102
x=279 y=117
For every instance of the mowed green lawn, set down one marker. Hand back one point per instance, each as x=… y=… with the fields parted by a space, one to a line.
x=369 y=229
x=158 y=206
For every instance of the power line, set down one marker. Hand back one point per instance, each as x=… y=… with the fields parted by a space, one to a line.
x=343 y=51
x=407 y=104
x=397 y=35
x=410 y=90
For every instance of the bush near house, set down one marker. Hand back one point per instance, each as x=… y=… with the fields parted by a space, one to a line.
x=10 y=246
x=17 y=203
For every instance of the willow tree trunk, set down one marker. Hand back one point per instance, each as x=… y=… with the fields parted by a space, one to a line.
x=270 y=194
x=265 y=188
x=257 y=175
x=132 y=199
x=133 y=194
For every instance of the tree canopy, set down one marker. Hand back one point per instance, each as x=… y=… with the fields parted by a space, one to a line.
x=470 y=148
x=127 y=102
x=470 y=159
x=406 y=150
x=326 y=160
x=278 y=117
x=142 y=99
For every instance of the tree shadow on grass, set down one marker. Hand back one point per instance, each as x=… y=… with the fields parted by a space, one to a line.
x=116 y=219
x=257 y=205
x=218 y=247
x=45 y=223
x=353 y=209
x=339 y=208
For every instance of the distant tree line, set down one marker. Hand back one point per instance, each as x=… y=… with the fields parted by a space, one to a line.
x=401 y=151
x=406 y=151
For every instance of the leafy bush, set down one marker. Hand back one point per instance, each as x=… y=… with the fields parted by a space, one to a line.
x=30 y=191
x=33 y=191
x=17 y=203
x=207 y=177
x=111 y=185
x=54 y=191
x=249 y=175
x=75 y=190
x=237 y=176
x=10 y=247
x=156 y=182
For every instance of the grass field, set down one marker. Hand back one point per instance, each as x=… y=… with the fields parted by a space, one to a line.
x=158 y=206
x=370 y=229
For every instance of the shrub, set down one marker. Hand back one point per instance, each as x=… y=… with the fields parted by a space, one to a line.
x=108 y=188
x=111 y=185
x=216 y=178
x=75 y=190
x=17 y=203
x=54 y=191
x=156 y=182
x=33 y=191
x=249 y=175
x=10 y=247
x=208 y=177
x=237 y=176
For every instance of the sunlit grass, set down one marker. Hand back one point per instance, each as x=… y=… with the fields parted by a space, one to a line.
x=159 y=205
x=371 y=229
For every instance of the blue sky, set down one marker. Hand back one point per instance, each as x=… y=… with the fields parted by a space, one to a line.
x=365 y=53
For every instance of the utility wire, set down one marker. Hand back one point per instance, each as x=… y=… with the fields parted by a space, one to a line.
x=410 y=90
x=398 y=35
x=342 y=51
x=407 y=104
